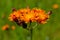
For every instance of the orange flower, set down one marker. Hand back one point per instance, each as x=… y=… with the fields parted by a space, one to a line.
x=5 y=27
x=55 y=6
x=27 y=15
x=13 y=27
x=40 y=15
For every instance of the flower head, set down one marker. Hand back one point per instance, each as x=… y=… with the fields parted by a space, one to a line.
x=26 y=15
x=55 y=6
x=13 y=27
x=5 y=27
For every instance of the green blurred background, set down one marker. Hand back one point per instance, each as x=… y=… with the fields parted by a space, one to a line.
x=48 y=31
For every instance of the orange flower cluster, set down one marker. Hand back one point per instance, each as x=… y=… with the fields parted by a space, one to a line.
x=27 y=15
x=5 y=27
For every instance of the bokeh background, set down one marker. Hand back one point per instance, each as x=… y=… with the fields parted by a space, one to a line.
x=48 y=31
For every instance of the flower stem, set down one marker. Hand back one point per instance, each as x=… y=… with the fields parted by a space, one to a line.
x=31 y=31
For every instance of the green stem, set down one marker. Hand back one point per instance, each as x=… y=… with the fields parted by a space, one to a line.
x=30 y=28
x=31 y=32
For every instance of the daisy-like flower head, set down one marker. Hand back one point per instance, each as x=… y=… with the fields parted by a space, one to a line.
x=26 y=15
x=42 y=16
